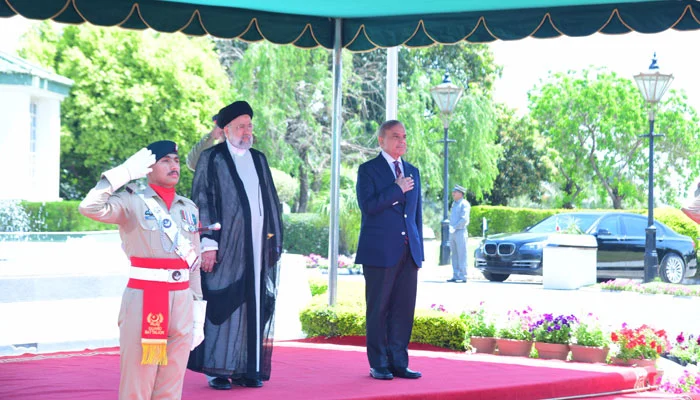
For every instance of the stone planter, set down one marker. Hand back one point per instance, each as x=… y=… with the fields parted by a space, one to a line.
x=486 y=345
x=588 y=354
x=510 y=347
x=552 y=351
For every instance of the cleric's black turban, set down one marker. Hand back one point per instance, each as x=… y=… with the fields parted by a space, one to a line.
x=233 y=111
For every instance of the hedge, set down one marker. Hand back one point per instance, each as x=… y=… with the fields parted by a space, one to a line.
x=430 y=327
x=308 y=233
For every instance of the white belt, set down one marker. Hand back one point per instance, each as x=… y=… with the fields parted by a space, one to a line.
x=160 y=275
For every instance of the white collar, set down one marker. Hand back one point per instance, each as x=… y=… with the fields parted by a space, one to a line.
x=390 y=159
x=235 y=151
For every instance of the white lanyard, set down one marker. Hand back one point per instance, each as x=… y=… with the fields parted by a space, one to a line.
x=182 y=245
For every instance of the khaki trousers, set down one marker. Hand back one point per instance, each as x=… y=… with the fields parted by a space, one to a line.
x=154 y=382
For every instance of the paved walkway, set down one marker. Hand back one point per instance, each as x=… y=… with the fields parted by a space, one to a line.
x=66 y=296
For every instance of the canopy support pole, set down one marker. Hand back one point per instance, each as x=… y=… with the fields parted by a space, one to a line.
x=392 y=82
x=334 y=231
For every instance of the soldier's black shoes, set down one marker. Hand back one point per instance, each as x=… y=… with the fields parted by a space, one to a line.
x=405 y=373
x=220 y=384
x=381 y=373
x=248 y=382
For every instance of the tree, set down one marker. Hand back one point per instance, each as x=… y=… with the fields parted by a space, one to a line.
x=290 y=91
x=526 y=162
x=131 y=88
x=595 y=119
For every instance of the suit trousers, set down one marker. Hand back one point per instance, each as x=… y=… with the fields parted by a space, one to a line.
x=152 y=382
x=390 y=293
x=458 y=248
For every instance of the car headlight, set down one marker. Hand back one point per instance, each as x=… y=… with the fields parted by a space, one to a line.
x=534 y=245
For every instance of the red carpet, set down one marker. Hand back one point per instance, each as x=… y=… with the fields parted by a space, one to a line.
x=304 y=370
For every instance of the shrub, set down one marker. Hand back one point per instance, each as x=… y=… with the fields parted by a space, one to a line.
x=318 y=287
x=287 y=187
x=440 y=329
x=679 y=222
x=331 y=321
x=305 y=234
x=59 y=216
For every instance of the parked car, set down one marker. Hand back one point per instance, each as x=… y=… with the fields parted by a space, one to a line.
x=621 y=240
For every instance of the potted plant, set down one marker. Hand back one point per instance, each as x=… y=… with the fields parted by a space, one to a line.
x=685 y=350
x=589 y=342
x=513 y=337
x=481 y=330
x=638 y=346
x=552 y=335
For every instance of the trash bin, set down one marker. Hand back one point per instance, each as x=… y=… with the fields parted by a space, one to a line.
x=569 y=261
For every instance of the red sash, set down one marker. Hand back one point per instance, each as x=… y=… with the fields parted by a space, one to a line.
x=155 y=318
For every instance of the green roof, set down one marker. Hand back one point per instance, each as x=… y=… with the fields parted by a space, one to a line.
x=20 y=72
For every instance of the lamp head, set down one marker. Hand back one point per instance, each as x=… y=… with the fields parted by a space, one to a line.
x=653 y=84
x=446 y=95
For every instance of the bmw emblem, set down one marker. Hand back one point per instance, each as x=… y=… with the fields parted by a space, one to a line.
x=167 y=223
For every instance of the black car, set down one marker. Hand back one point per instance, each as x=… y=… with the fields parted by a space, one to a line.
x=621 y=238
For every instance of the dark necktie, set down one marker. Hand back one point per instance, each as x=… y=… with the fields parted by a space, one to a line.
x=397 y=170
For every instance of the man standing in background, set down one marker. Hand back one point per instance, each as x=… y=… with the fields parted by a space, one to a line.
x=459 y=220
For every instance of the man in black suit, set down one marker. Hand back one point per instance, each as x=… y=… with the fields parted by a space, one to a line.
x=390 y=250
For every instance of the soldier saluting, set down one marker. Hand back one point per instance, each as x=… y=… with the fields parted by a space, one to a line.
x=162 y=312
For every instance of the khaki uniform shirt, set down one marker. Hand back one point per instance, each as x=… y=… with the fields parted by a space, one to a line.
x=138 y=229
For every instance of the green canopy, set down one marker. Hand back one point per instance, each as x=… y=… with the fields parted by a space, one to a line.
x=368 y=24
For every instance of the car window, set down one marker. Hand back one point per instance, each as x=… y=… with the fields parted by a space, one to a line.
x=612 y=225
x=562 y=222
x=635 y=227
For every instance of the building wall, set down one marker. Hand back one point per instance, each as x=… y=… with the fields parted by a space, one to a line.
x=26 y=175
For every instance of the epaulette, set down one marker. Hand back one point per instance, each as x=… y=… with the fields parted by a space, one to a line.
x=132 y=188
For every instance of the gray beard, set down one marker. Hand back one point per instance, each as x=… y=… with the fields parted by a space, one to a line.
x=241 y=145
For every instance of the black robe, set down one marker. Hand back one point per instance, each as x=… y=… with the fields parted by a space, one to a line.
x=219 y=193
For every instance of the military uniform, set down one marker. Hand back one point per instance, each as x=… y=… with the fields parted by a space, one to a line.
x=459 y=219
x=153 y=260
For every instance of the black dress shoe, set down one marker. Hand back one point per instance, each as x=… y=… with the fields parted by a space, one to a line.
x=381 y=373
x=452 y=280
x=220 y=384
x=405 y=373
x=248 y=382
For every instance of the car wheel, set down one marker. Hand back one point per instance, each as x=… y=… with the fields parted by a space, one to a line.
x=495 y=277
x=672 y=268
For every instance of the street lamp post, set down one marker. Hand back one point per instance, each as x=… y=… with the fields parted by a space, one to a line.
x=446 y=95
x=653 y=85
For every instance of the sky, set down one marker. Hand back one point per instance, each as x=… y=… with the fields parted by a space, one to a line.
x=525 y=62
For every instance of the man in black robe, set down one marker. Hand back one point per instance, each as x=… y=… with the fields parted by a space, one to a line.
x=233 y=186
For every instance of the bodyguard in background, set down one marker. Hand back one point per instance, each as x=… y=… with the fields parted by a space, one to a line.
x=459 y=220
x=390 y=250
